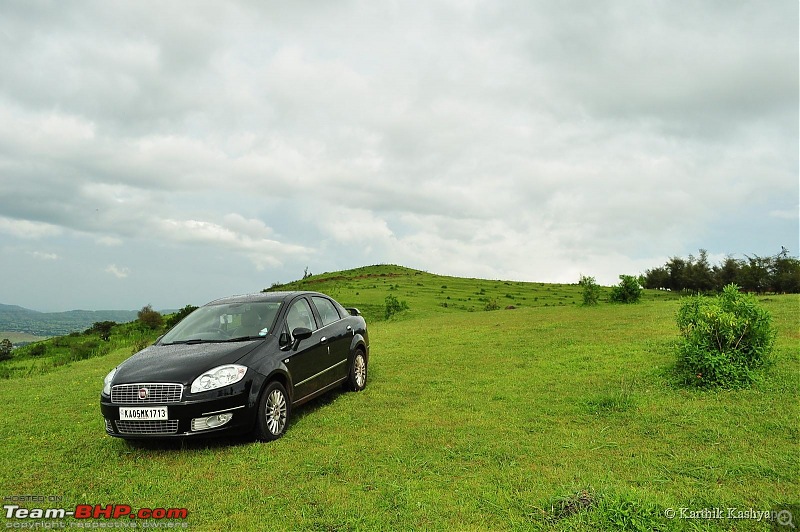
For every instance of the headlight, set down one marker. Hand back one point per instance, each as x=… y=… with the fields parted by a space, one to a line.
x=218 y=377
x=107 y=382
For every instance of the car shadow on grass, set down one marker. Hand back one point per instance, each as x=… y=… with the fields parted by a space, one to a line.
x=198 y=443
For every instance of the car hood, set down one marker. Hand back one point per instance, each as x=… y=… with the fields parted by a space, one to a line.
x=180 y=363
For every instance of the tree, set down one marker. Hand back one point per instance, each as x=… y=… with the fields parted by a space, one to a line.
x=727 y=273
x=785 y=274
x=657 y=278
x=779 y=273
x=677 y=267
x=5 y=349
x=150 y=318
x=101 y=328
x=591 y=290
x=755 y=274
x=701 y=278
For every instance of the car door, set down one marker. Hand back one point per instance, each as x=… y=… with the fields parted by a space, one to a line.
x=337 y=336
x=307 y=361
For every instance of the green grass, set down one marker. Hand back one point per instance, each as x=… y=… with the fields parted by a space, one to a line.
x=557 y=416
x=51 y=353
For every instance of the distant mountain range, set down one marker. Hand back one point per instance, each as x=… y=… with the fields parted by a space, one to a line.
x=14 y=318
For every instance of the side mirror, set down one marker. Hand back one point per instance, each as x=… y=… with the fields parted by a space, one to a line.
x=300 y=333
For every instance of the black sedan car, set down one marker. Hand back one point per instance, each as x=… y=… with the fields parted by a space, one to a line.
x=237 y=365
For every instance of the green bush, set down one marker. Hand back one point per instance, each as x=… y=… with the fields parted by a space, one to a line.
x=150 y=318
x=393 y=306
x=726 y=338
x=627 y=291
x=591 y=290
x=492 y=304
x=38 y=349
x=5 y=349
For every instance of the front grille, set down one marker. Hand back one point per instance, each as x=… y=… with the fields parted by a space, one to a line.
x=169 y=426
x=156 y=393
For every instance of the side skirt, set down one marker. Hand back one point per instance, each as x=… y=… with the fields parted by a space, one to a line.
x=318 y=392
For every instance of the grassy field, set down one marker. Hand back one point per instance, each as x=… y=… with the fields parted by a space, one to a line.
x=540 y=417
x=18 y=337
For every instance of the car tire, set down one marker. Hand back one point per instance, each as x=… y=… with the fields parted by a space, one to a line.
x=273 y=413
x=357 y=378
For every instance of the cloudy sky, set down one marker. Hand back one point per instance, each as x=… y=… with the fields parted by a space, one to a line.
x=174 y=152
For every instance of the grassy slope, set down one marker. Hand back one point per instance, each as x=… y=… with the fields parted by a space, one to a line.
x=429 y=294
x=470 y=421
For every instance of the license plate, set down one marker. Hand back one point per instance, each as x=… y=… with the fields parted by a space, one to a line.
x=143 y=414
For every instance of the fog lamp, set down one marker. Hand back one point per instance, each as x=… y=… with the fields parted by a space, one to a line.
x=210 y=422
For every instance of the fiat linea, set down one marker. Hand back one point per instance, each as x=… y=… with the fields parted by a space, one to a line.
x=237 y=365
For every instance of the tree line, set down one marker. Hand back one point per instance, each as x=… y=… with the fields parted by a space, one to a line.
x=777 y=274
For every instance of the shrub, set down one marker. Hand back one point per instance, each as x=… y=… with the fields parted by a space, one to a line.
x=591 y=290
x=38 y=349
x=393 y=306
x=492 y=304
x=726 y=338
x=150 y=318
x=627 y=291
x=5 y=349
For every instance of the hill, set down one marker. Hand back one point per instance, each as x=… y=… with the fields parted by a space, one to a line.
x=425 y=293
x=18 y=319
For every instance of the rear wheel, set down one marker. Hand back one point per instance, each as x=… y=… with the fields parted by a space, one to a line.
x=357 y=379
x=273 y=413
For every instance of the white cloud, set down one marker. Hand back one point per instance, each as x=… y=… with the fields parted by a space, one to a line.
x=109 y=241
x=118 y=272
x=43 y=255
x=249 y=237
x=28 y=229
x=785 y=215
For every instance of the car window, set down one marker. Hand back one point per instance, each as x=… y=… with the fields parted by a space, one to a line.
x=300 y=316
x=326 y=310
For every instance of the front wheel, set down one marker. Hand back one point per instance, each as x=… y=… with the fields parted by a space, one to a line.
x=273 y=413
x=357 y=380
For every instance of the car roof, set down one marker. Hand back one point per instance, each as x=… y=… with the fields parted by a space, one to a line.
x=260 y=297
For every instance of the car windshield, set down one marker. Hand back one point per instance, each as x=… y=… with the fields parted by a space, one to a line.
x=225 y=323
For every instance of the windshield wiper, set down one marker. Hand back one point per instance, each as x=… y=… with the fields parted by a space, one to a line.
x=200 y=341
x=191 y=342
x=243 y=338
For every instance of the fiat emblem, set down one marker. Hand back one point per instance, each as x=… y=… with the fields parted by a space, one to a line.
x=144 y=393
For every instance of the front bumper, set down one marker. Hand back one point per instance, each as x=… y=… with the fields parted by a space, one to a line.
x=239 y=400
